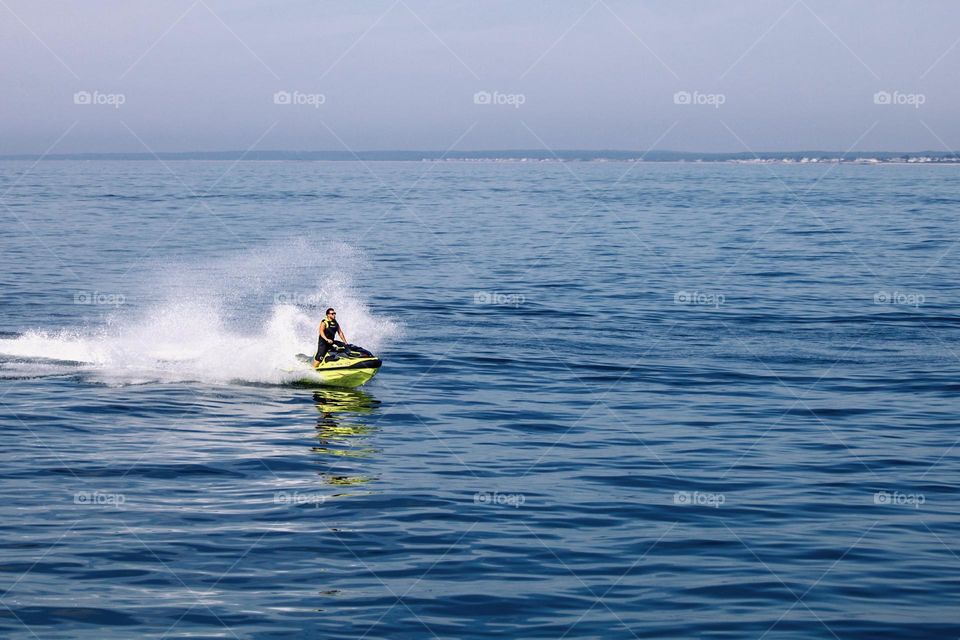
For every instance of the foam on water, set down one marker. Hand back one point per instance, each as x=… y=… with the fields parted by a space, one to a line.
x=243 y=318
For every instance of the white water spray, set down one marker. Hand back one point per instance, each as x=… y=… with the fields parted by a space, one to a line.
x=239 y=319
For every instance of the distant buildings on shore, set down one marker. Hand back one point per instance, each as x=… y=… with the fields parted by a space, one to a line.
x=736 y=160
x=857 y=160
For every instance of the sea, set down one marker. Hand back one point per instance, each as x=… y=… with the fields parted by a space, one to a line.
x=618 y=400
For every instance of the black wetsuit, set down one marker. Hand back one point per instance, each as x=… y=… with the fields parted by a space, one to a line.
x=329 y=329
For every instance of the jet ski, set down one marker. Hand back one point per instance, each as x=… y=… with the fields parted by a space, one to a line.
x=346 y=365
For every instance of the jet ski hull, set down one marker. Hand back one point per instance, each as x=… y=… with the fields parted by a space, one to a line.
x=349 y=375
x=350 y=370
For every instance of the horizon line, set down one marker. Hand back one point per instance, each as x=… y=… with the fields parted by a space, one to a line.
x=497 y=154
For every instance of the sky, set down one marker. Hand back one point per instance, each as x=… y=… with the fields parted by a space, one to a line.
x=710 y=76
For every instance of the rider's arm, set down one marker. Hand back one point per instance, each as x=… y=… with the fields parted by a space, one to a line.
x=342 y=337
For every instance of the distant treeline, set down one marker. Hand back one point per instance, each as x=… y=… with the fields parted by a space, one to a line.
x=536 y=155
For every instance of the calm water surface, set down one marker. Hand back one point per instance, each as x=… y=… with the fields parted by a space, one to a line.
x=618 y=401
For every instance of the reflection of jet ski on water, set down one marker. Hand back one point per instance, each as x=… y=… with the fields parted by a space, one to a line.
x=343 y=435
x=344 y=365
x=331 y=402
x=338 y=409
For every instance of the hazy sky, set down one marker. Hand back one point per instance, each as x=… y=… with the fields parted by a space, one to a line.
x=402 y=74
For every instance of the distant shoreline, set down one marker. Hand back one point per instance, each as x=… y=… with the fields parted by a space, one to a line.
x=523 y=156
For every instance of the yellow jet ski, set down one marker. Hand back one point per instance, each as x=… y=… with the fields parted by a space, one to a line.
x=346 y=365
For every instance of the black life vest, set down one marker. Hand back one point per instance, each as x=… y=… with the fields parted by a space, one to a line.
x=329 y=328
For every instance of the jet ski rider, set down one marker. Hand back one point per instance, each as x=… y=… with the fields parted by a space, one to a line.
x=329 y=329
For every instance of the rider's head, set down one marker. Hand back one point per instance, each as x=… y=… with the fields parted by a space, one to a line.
x=331 y=312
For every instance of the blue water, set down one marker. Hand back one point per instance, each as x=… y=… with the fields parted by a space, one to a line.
x=664 y=401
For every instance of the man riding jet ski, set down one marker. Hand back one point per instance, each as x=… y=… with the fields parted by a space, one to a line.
x=329 y=330
x=340 y=363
